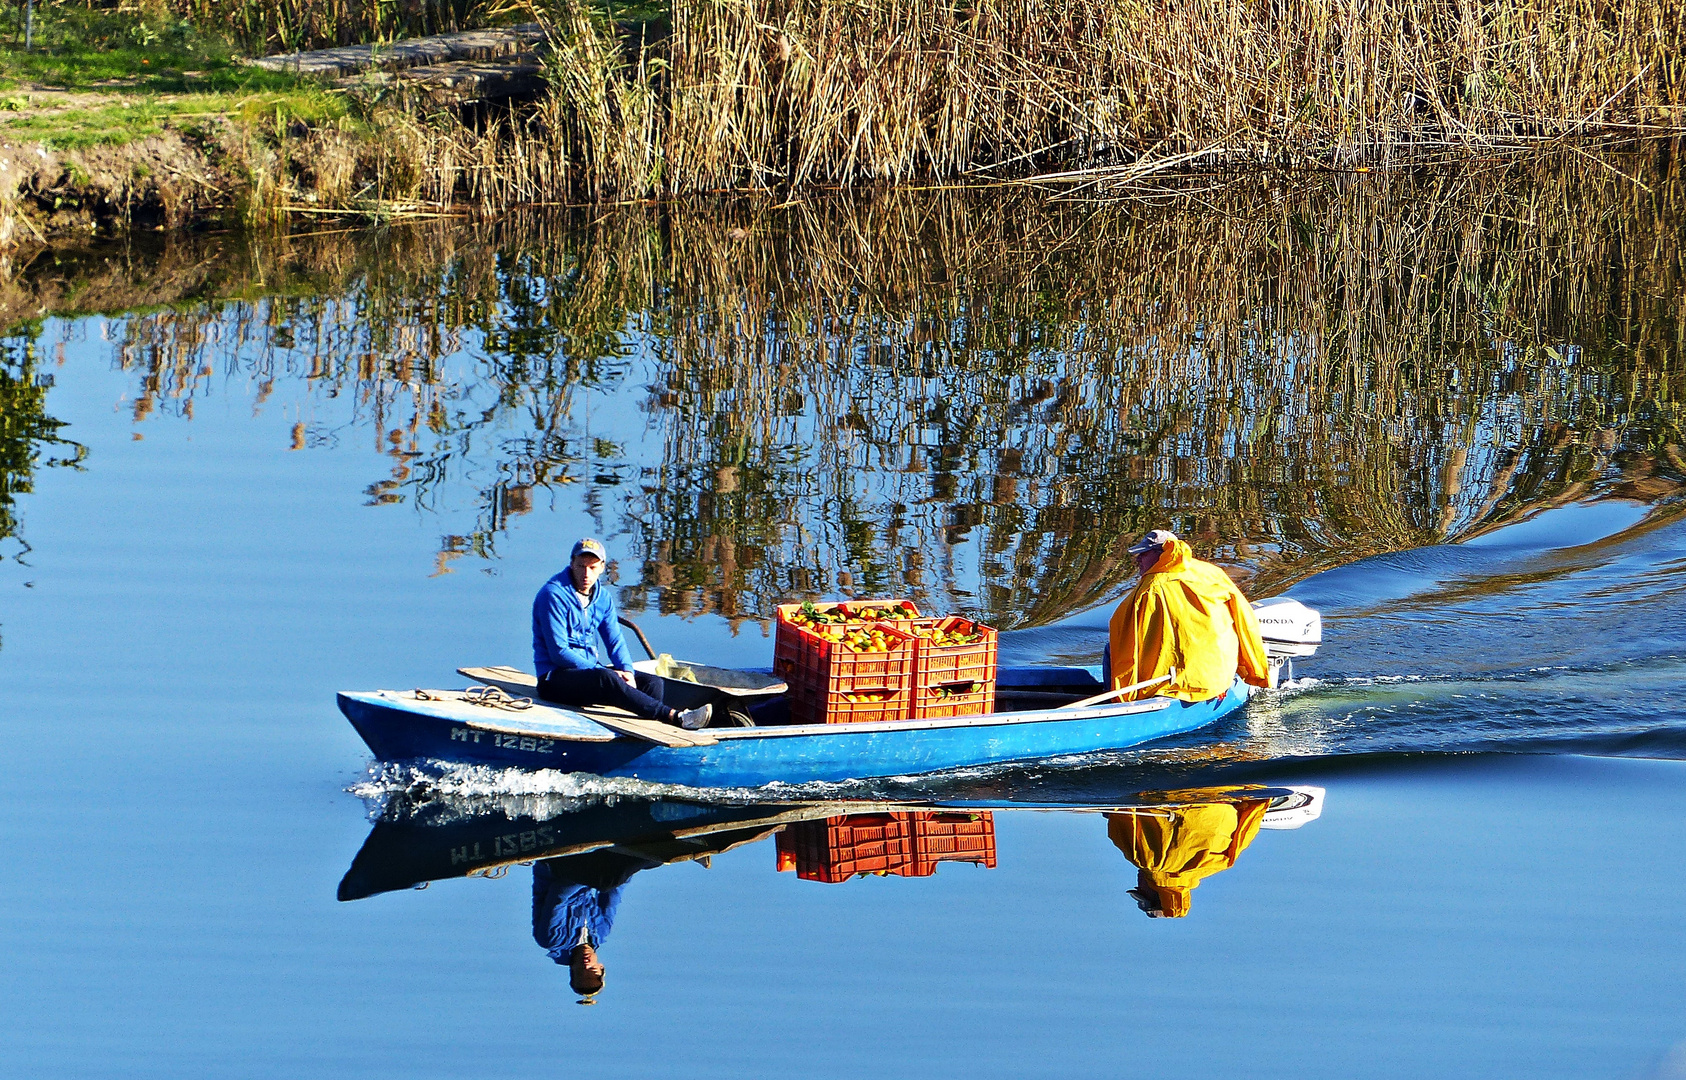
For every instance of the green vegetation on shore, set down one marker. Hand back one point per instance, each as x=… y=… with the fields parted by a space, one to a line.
x=791 y=93
x=124 y=113
x=124 y=50
x=108 y=76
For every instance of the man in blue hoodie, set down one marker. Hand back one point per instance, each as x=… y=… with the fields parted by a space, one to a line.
x=572 y=614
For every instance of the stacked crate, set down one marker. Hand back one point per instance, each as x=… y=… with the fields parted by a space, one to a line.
x=917 y=678
x=832 y=683
x=954 y=680
x=904 y=843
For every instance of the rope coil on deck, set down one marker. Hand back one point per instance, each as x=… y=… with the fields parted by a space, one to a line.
x=493 y=697
x=490 y=697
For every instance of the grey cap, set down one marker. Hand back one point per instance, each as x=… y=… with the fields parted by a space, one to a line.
x=1158 y=538
x=588 y=546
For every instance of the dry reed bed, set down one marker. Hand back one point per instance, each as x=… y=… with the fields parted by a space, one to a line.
x=976 y=400
x=781 y=95
x=785 y=96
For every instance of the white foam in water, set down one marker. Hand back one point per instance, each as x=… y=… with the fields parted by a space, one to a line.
x=458 y=782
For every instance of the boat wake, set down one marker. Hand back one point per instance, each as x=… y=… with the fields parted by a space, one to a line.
x=404 y=787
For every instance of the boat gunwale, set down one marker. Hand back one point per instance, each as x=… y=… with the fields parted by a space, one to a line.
x=1007 y=719
x=1023 y=716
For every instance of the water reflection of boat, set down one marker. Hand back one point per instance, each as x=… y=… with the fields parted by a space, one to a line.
x=447 y=726
x=584 y=852
x=413 y=843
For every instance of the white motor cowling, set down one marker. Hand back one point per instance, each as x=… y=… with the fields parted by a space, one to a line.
x=1289 y=628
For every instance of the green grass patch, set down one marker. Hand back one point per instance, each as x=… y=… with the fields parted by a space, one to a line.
x=137 y=118
x=156 y=72
x=106 y=50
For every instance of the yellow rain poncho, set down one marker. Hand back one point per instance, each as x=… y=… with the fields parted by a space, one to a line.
x=1186 y=614
x=1177 y=847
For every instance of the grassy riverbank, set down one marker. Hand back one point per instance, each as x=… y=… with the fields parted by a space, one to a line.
x=118 y=117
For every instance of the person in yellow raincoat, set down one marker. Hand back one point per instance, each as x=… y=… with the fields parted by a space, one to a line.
x=1184 y=614
x=1176 y=847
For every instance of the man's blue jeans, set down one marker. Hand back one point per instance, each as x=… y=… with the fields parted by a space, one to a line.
x=604 y=686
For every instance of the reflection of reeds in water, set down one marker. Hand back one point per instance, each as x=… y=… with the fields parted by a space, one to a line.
x=976 y=401
x=26 y=434
x=1295 y=380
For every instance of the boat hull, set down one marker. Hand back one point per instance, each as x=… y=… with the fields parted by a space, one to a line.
x=398 y=730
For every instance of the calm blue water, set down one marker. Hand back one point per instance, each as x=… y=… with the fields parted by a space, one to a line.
x=1494 y=886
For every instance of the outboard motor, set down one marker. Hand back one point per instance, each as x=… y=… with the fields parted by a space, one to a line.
x=1289 y=628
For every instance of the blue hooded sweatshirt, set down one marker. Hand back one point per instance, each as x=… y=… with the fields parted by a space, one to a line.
x=565 y=635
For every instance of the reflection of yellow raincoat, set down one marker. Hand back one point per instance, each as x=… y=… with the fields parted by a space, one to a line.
x=1186 y=614
x=1175 y=848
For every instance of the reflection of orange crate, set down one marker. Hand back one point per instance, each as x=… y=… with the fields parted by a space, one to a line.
x=831 y=683
x=907 y=844
x=838 y=848
x=949 y=837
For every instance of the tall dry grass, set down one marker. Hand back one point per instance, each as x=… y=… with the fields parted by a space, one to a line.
x=774 y=95
x=787 y=96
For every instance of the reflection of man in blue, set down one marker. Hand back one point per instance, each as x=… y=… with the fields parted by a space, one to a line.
x=574 y=902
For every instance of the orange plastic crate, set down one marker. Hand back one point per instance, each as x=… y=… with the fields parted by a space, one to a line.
x=831 y=683
x=954 y=680
x=787 y=611
x=942 y=665
x=788 y=641
x=938 y=702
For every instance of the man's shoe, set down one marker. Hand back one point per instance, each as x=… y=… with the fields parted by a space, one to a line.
x=696 y=719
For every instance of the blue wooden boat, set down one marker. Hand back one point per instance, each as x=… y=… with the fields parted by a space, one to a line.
x=448 y=726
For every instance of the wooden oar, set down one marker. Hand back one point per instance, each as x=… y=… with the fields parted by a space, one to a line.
x=1170 y=676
